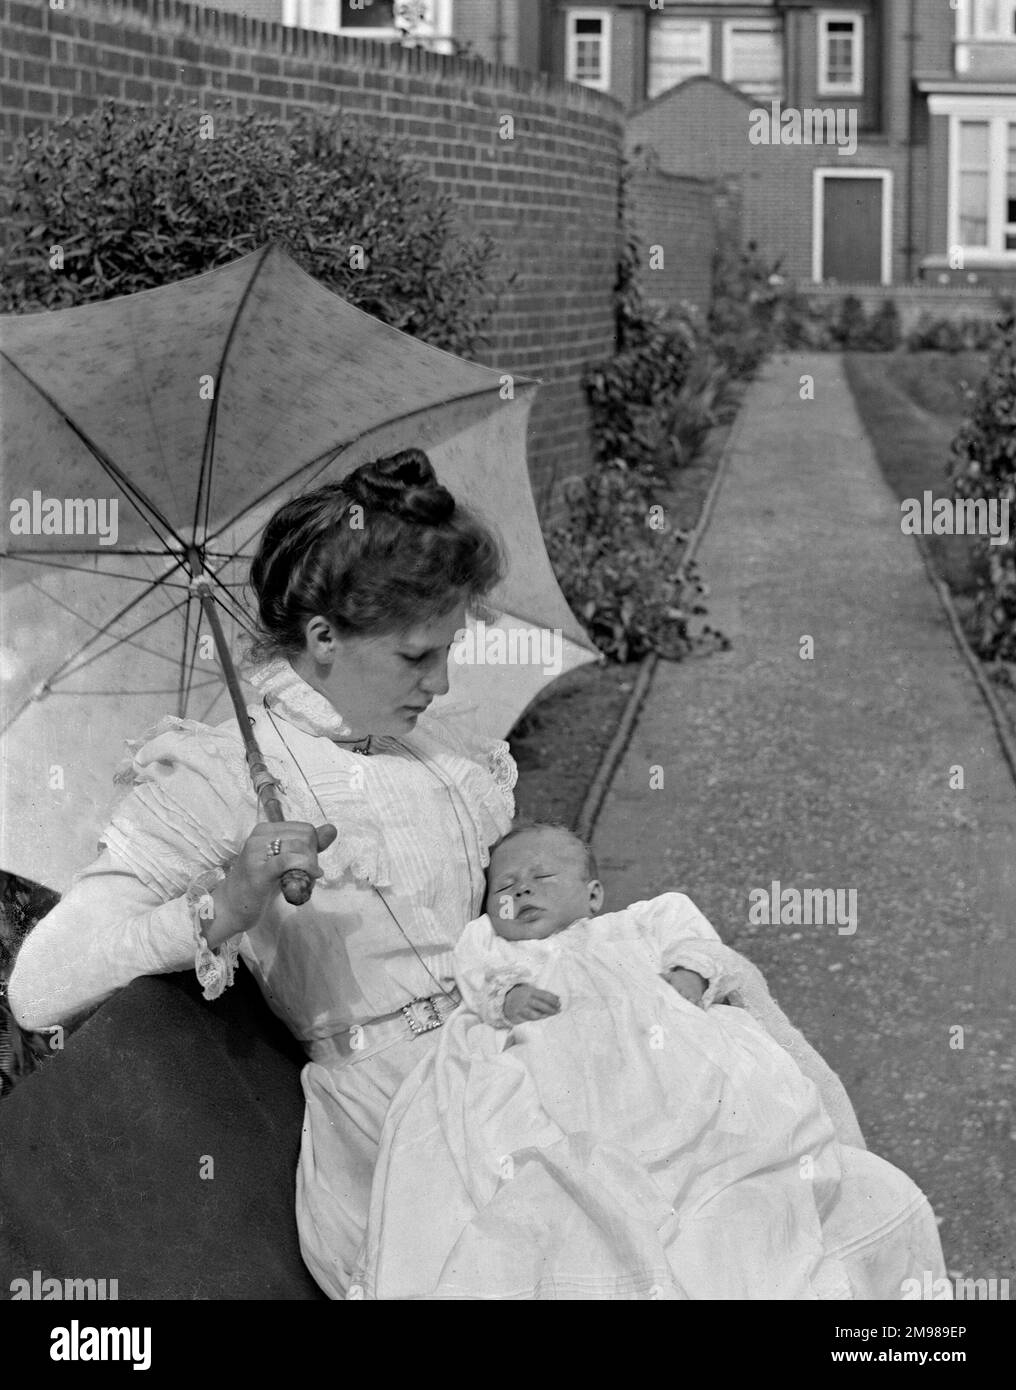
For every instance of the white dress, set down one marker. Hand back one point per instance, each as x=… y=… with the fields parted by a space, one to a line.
x=634 y=1145
x=415 y=820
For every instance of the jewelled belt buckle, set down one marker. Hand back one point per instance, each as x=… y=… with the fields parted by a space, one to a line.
x=422 y=1015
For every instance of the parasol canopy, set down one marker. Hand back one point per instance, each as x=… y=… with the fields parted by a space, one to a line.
x=147 y=438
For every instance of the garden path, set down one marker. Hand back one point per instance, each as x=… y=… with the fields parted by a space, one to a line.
x=835 y=772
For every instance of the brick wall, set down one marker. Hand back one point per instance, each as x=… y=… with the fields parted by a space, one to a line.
x=548 y=196
x=676 y=215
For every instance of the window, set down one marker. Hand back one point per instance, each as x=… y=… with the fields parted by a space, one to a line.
x=973 y=170
x=840 y=55
x=374 y=19
x=678 y=49
x=368 y=14
x=753 y=57
x=587 y=48
x=982 y=173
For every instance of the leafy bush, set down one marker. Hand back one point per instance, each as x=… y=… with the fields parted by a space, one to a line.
x=968 y=334
x=746 y=294
x=885 y=330
x=983 y=465
x=633 y=396
x=137 y=198
x=621 y=576
x=852 y=323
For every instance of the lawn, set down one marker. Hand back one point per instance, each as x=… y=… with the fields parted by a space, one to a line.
x=912 y=404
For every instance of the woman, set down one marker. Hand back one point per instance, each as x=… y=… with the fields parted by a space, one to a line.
x=357 y=609
x=361 y=588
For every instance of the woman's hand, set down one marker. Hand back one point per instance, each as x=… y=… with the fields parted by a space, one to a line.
x=525 y=1003
x=254 y=877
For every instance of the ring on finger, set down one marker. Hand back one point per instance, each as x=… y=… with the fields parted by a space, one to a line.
x=274 y=847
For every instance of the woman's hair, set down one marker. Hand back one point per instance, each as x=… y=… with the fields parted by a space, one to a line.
x=384 y=549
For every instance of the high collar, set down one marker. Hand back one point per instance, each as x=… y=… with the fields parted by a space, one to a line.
x=289 y=696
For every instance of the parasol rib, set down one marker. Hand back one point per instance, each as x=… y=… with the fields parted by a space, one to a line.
x=325 y=460
x=134 y=494
x=204 y=488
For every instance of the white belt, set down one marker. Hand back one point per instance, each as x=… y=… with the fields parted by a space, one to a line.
x=413 y=1019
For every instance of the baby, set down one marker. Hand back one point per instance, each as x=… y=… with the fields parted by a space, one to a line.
x=569 y=891
x=594 y=1122
x=542 y=881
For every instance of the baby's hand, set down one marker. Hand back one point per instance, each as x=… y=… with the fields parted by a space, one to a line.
x=687 y=983
x=524 y=1003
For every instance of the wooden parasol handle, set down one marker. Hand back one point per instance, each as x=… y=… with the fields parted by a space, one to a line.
x=297 y=884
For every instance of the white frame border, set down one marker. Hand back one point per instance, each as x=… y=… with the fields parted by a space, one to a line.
x=606 y=17
x=819 y=177
x=839 y=89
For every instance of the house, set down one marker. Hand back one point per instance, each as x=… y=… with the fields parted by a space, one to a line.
x=861 y=142
x=501 y=31
x=865 y=141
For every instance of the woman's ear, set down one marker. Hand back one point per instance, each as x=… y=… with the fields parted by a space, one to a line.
x=595 y=895
x=321 y=640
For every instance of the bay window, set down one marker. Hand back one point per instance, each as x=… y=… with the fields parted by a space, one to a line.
x=982 y=173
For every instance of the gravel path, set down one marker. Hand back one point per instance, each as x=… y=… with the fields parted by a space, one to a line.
x=835 y=773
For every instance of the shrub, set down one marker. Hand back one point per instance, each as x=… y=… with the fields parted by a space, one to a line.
x=747 y=291
x=623 y=578
x=884 y=331
x=852 y=323
x=967 y=334
x=137 y=198
x=983 y=465
x=633 y=396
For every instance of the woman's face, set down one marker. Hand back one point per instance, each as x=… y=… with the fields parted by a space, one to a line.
x=380 y=685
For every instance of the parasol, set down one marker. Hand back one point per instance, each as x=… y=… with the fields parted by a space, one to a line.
x=144 y=443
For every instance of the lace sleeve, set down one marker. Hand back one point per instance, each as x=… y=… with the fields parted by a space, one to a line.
x=504 y=772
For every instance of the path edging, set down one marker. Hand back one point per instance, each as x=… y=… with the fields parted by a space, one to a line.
x=592 y=803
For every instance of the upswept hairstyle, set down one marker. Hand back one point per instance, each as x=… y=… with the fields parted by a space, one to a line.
x=523 y=826
x=407 y=557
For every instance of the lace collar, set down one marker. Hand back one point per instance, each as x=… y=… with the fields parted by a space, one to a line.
x=298 y=703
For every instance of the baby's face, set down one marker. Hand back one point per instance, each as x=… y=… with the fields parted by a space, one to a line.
x=536 y=886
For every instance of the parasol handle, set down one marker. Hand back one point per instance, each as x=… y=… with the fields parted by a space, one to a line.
x=296 y=884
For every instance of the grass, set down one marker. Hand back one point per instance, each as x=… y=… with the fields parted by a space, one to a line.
x=911 y=405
